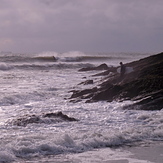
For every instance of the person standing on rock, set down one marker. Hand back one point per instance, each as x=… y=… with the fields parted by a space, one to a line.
x=123 y=69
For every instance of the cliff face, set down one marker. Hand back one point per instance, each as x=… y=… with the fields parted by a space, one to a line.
x=144 y=85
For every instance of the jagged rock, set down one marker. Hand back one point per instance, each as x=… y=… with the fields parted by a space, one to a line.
x=60 y=115
x=101 y=67
x=86 y=82
x=153 y=101
x=44 y=118
x=83 y=93
x=107 y=72
x=27 y=119
x=144 y=81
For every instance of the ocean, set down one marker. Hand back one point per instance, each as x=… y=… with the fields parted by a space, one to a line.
x=37 y=84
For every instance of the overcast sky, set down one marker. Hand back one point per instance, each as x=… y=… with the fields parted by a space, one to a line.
x=82 y=25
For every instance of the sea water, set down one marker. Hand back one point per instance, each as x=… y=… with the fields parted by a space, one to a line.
x=36 y=84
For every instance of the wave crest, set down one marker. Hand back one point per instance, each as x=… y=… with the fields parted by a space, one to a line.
x=4 y=66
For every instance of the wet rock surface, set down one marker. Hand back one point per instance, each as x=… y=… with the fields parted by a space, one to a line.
x=47 y=118
x=100 y=67
x=86 y=82
x=144 y=85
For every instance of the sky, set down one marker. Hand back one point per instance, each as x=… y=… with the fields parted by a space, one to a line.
x=28 y=26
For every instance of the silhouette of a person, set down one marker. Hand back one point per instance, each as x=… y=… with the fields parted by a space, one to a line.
x=123 y=69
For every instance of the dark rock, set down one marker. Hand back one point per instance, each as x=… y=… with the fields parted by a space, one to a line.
x=83 y=93
x=87 y=82
x=101 y=67
x=153 y=101
x=107 y=72
x=144 y=81
x=27 y=119
x=107 y=94
x=44 y=118
x=60 y=115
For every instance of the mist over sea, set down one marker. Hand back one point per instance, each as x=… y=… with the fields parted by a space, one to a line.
x=37 y=84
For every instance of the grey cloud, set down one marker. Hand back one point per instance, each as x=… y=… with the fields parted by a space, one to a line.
x=64 y=25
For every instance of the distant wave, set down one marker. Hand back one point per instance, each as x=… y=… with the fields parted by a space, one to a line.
x=47 y=66
x=76 y=56
x=52 y=58
x=45 y=58
x=63 y=60
x=85 y=58
x=4 y=66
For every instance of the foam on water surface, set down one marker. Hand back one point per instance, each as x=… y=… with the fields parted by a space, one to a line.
x=46 y=89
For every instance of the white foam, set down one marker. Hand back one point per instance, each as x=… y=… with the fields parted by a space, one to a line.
x=105 y=155
x=6 y=157
x=4 y=66
x=100 y=124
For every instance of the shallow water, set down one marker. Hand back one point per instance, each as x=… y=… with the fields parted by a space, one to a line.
x=30 y=86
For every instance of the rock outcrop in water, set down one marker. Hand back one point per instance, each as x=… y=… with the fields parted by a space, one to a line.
x=44 y=118
x=101 y=67
x=144 y=85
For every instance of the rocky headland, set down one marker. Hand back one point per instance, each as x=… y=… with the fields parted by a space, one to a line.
x=144 y=85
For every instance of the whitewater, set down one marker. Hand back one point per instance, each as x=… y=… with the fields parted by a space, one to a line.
x=35 y=84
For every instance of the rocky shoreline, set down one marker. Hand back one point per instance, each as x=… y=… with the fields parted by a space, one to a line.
x=143 y=85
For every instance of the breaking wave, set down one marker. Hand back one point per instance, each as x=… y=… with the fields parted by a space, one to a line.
x=74 y=59
x=37 y=146
x=4 y=66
